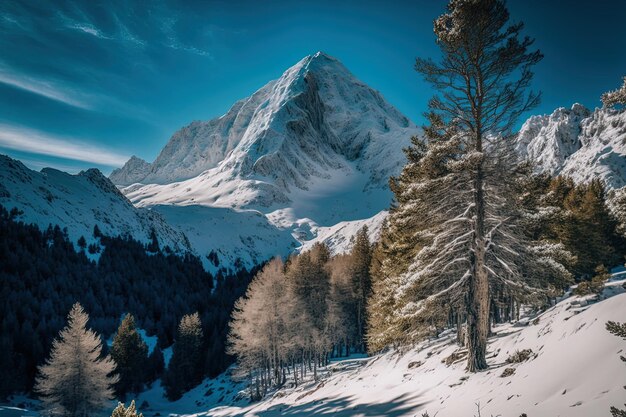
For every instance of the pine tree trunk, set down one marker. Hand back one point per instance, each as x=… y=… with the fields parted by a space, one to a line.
x=478 y=294
x=460 y=336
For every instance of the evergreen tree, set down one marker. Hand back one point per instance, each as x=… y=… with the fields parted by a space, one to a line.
x=341 y=315
x=361 y=255
x=618 y=208
x=156 y=365
x=153 y=246
x=619 y=330
x=393 y=254
x=590 y=217
x=614 y=97
x=130 y=353
x=481 y=80
x=185 y=368
x=309 y=282
x=122 y=411
x=76 y=380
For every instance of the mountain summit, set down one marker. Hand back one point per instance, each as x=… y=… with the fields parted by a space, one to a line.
x=578 y=142
x=315 y=124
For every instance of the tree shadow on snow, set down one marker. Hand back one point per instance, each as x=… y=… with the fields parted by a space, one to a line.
x=347 y=406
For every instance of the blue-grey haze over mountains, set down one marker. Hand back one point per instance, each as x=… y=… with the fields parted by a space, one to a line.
x=86 y=84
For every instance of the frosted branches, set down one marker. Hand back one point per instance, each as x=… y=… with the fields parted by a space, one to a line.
x=618 y=96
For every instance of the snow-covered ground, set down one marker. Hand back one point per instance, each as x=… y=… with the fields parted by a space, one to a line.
x=244 y=236
x=574 y=371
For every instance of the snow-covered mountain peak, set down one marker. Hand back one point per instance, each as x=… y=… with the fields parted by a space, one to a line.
x=317 y=126
x=306 y=151
x=549 y=140
x=133 y=169
x=578 y=142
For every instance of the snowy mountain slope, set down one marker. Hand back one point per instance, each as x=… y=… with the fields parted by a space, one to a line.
x=574 y=371
x=578 y=142
x=235 y=237
x=79 y=202
x=315 y=124
x=338 y=238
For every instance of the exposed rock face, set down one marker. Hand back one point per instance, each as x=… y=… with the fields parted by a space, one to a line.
x=316 y=120
x=578 y=142
x=135 y=170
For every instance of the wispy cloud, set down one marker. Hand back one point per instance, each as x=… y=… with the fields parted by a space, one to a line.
x=41 y=143
x=175 y=44
x=168 y=35
x=88 y=29
x=71 y=96
x=44 y=88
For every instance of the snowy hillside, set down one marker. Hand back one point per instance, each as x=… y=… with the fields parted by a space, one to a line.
x=234 y=237
x=79 y=202
x=578 y=142
x=574 y=370
x=338 y=238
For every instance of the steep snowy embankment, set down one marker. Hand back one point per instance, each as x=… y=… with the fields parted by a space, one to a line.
x=574 y=371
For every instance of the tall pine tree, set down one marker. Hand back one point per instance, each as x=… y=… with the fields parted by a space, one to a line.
x=361 y=255
x=185 y=368
x=130 y=353
x=457 y=212
x=481 y=80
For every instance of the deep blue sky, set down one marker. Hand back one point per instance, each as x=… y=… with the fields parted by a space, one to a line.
x=90 y=83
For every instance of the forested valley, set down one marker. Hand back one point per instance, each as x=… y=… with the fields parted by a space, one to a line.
x=43 y=274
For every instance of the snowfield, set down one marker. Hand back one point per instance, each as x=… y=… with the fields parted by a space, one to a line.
x=574 y=371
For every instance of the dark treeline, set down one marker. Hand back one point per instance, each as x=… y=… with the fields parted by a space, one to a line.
x=296 y=315
x=578 y=216
x=42 y=275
